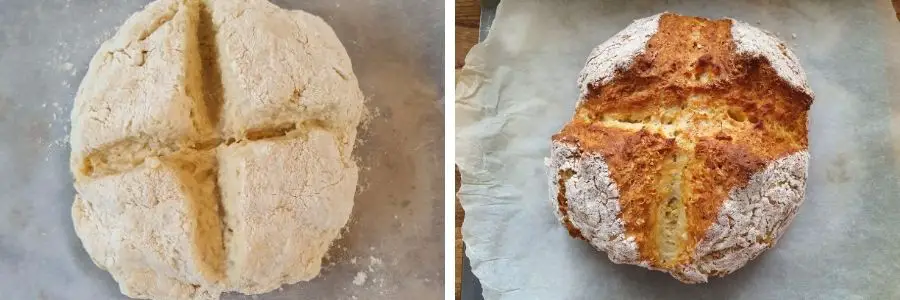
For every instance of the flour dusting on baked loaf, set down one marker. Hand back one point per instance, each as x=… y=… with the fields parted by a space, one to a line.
x=617 y=52
x=592 y=197
x=757 y=42
x=687 y=151
x=753 y=217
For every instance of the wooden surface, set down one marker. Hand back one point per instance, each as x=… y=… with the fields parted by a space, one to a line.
x=468 y=14
x=896 y=8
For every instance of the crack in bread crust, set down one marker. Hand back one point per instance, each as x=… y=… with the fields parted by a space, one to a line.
x=592 y=200
x=135 y=146
x=687 y=120
x=563 y=203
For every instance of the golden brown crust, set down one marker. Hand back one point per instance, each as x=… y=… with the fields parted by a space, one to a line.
x=717 y=168
x=690 y=96
x=632 y=155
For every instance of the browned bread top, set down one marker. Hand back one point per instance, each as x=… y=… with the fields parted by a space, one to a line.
x=682 y=111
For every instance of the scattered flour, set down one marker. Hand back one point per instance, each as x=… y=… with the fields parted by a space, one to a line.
x=360 y=278
x=374 y=261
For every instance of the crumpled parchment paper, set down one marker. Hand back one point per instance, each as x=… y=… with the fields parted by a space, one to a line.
x=518 y=88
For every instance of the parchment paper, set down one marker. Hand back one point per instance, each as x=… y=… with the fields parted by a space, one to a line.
x=395 y=236
x=519 y=88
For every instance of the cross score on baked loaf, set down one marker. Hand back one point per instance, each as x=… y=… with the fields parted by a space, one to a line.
x=687 y=151
x=211 y=148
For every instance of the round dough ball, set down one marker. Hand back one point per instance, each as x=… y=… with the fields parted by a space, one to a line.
x=687 y=152
x=211 y=149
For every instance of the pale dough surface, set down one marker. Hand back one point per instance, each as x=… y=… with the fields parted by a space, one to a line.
x=211 y=149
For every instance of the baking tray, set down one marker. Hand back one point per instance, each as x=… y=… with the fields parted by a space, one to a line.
x=395 y=235
x=866 y=32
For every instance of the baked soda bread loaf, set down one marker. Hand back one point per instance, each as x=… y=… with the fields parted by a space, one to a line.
x=687 y=151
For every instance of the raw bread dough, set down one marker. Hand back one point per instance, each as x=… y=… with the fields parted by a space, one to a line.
x=211 y=149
